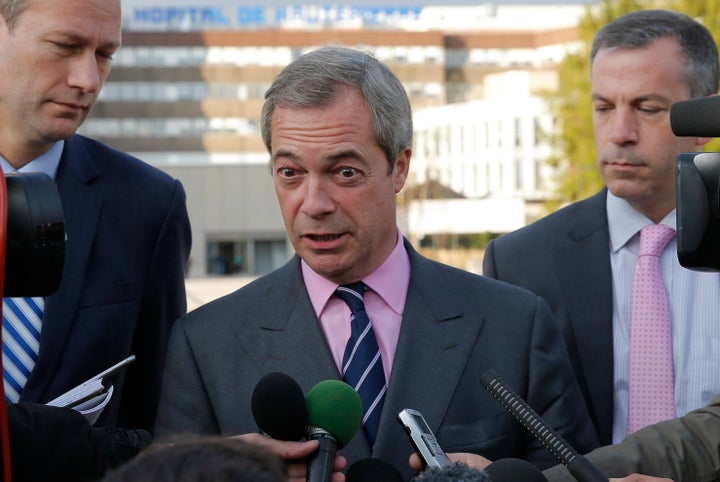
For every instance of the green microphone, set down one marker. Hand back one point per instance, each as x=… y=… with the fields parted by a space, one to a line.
x=334 y=413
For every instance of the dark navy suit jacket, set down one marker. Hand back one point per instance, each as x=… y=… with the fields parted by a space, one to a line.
x=565 y=258
x=123 y=284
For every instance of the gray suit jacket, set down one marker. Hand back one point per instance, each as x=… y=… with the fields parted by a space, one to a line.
x=565 y=258
x=685 y=449
x=456 y=325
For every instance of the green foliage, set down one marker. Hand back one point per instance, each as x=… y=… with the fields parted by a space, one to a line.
x=575 y=162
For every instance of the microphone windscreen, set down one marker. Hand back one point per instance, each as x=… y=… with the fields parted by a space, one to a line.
x=335 y=407
x=372 y=470
x=452 y=473
x=512 y=470
x=698 y=117
x=278 y=405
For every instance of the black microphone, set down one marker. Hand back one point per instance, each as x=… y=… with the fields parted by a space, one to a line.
x=334 y=413
x=513 y=470
x=579 y=466
x=278 y=406
x=502 y=470
x=455 y=472
x=372 y=470
x=698 y=117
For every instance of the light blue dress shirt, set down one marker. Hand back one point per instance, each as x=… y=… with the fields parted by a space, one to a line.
x=694 y=298
x=48 y=162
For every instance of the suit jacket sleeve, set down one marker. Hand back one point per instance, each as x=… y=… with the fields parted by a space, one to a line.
x=54 y=443
x=180 y=411
x=684 y=449
x=489 y=261
x=164 y=302
x=552 y=258
x=553 y=391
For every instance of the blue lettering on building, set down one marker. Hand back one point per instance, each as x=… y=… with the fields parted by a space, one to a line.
x=200 y=17
x=188 y=16
x=251 y=16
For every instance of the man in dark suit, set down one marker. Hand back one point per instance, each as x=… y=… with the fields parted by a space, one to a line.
x=338 y=126
x=581 y=258
x=128 y=234
x=568 y=263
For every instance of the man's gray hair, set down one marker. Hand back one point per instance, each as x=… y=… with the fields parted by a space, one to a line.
x=639 y=29
x=314 y=80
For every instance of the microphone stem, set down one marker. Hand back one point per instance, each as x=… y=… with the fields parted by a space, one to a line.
x=322 y=461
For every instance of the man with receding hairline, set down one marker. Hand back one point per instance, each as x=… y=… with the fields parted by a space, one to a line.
x=337 y=125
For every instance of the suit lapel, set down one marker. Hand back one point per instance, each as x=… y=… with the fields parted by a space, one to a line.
x=81 y=209
x=280 y=341
x=590 y=312
x=288 y=337
x=432 y=330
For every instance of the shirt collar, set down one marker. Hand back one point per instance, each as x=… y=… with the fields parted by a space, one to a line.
x=624 y=221
x=390 y=280
x=48 y=162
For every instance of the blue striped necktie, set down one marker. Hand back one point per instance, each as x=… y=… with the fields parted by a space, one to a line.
x=362 y=363
x=21 y=323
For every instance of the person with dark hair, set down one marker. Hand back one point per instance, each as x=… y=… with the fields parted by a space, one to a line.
x=201 y=459
x=582 y=259
x=357 y=298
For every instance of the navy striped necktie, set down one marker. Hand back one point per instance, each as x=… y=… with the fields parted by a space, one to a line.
x=362 y=366
x=21 y=324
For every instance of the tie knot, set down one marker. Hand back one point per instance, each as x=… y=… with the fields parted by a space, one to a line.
x=352 y=294
x=654 y=238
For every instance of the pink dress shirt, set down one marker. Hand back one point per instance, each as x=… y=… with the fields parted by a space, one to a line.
x=384 y=303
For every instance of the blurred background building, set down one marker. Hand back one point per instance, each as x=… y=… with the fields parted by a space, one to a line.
x=187 y=87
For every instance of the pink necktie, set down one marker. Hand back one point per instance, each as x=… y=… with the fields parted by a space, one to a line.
x=652 y=379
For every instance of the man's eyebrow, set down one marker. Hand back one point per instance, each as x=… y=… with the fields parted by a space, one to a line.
x=634 y=100
x=600 y=97
x=82 y=39
x=284 y=153
x=643 y=98
x=331 y=159
x=348 y=153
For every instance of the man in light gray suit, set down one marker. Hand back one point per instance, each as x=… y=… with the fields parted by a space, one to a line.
x=338 y=126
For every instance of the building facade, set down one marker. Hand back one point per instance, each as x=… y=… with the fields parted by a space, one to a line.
x=187 y=87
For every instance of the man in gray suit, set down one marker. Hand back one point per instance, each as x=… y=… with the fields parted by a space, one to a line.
x=581 y=259
x=338 y=126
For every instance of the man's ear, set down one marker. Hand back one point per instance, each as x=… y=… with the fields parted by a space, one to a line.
x=402 y=168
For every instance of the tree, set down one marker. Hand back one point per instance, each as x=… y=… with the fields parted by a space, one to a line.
x=575 y=162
